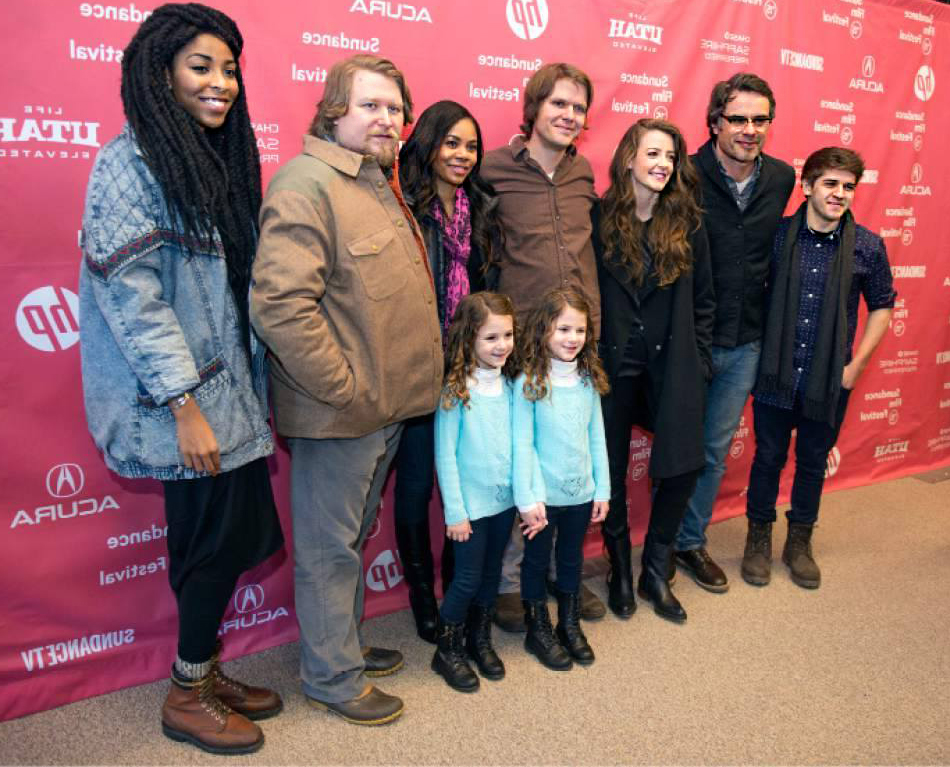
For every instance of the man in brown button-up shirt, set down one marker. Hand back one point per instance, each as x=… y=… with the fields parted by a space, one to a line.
x=545 y=194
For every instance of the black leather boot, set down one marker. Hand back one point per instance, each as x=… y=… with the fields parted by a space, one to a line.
x=569 y=631
x=449 y=660
x=478 y=642
x=620 y=597
x=415 y=553
x=654 y=585
x=540 y=640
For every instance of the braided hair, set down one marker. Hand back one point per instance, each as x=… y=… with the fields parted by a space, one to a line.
x=211 y=179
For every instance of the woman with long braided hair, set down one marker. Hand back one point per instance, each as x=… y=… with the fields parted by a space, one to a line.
x=173 y=377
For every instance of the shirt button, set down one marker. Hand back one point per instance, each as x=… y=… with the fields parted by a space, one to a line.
x=379 y=184
x=803 y=346
x=811 y=295
x=376 y=249
x=659 y=346
x=400 y=223
x=814 y=270
x=817 y=244
x=738 y=226
x=806 y=320
x=417 y=260
x=799 y=370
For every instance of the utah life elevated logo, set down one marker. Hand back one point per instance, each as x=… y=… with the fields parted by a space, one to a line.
x=47 y=318
x=44 y=134
x=527 y=18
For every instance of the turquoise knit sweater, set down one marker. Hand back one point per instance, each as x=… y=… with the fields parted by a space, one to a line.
x=560 y=455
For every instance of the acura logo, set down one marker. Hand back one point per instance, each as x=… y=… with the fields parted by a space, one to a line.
x=248 y=598
x=867 y=67
x=916 y=173
x=64 y=480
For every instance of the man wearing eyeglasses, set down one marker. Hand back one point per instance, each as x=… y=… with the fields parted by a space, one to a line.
x=744 y=193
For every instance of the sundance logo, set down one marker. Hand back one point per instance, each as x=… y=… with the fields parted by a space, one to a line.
x=384 y=573
x=47 y=319
x=527 y=18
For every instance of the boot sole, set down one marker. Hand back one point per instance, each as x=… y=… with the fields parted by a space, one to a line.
x=756 y=580
x=493 y=676
x=183 y=737
x=376 y=673
x=678 y=619
x=805 y=583
x=256 y=716
x=457 y=688
x=623 y=614
x=321 y=706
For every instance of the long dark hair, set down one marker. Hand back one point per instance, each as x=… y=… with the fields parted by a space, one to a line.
x=534 y=356
x=675 y=217
x=211 y=179
x=418 y=181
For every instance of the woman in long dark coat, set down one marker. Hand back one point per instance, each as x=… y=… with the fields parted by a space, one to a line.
x=657 y=308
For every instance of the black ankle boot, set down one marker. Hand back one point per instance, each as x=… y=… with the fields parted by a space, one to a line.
x=478 y=642
x=620 y=597
x=569 y=631
x=540 y=639
x=449 y=660
x=415 y=553
x=654 y=583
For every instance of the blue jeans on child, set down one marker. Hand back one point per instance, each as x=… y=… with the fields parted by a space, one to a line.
x=571 y=523
x=477 y=566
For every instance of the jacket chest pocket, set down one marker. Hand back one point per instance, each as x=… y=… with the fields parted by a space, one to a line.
x=376 y=262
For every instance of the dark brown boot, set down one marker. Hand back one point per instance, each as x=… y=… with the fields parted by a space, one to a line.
x=254 y=702
x=194 y=714
x=757 y=559
x=797 y=555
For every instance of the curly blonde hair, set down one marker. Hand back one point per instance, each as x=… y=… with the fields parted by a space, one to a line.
x=460 y=361
x=534 y=353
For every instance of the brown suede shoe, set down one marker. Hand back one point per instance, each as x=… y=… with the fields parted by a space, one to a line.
x=509 y=613
x=193 y=714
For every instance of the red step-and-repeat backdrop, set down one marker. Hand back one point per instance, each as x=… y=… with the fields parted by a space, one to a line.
x=83 y=566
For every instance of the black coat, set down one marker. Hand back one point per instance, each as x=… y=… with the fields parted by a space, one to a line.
x=740 y=243
x=677 y=324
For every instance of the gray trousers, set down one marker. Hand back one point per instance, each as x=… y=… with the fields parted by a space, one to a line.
x=335 y=487
x=511 y=563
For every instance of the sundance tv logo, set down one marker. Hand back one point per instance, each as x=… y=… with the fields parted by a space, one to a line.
x=527 y=18
x=47 y=319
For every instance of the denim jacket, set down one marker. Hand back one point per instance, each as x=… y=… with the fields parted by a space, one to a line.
x=157 y=319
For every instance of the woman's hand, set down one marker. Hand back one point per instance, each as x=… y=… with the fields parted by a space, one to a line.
x=599 y=511
x=196 y=440
x=533 y=521
x=460 y=532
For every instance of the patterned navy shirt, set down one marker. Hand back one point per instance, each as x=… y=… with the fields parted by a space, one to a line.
x=872 y=279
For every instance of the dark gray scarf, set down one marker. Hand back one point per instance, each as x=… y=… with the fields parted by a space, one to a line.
x=776 y=368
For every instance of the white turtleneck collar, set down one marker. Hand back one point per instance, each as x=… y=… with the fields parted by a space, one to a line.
x=564 y=374
x=486 y=381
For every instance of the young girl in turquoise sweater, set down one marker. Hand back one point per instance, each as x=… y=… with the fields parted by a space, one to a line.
x=561 y=476
x=473 y=449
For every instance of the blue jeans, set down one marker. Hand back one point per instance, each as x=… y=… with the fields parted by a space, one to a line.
x=571 y=523
x=773 y=432
x=734 y=372
x=477 y=566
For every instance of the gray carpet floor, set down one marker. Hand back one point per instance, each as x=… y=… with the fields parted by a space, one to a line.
x=857 y=672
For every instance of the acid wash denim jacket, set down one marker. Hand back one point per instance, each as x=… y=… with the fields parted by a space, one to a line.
x=157 y=319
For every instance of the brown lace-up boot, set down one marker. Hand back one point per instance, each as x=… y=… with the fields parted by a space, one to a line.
x=253 y=702
x=194 y=714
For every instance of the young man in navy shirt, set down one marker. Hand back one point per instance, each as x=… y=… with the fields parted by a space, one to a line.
x=822 y=263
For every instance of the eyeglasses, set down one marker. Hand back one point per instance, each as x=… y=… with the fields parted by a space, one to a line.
x=740 y=121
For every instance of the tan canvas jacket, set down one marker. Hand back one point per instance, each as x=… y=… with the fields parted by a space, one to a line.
x=343 y=299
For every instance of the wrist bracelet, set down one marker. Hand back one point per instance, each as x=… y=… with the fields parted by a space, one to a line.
x=176 y=403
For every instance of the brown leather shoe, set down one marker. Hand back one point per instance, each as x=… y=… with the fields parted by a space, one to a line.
x=371 y=707
x=192 y=713
x=509 y=613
